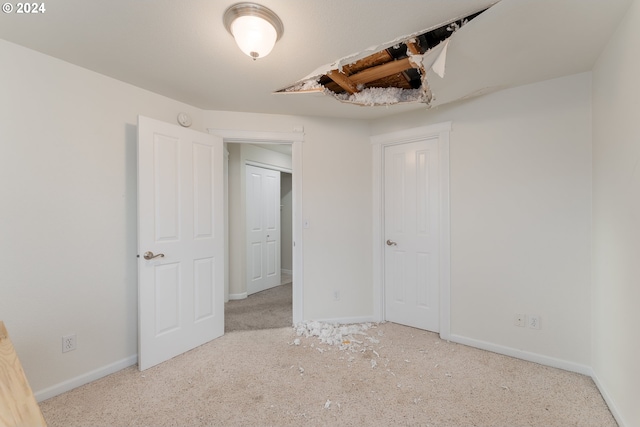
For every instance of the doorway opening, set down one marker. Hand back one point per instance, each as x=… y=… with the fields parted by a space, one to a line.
x=260 y=237
x=291 y=143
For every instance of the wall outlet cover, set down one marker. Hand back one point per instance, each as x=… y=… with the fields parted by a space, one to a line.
x=534 y=321
x=68 y=343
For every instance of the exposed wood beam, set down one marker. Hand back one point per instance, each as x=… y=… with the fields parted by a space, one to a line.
x=381 y=71
x=413 y=48
x=343 y=81
x=372 y=60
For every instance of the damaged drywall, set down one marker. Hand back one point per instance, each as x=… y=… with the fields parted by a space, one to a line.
x=388 y=74
x=347 y=337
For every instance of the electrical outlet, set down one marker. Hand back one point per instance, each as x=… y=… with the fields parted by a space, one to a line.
x=534 y=321
x=336 y=295
x=518 y=320
x=68 y=343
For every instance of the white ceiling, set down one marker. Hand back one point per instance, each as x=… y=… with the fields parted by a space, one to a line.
x=181 y=49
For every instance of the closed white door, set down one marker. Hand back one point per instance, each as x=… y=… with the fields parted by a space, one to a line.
x=263 y=228
x=180 y=240
x=411 y=222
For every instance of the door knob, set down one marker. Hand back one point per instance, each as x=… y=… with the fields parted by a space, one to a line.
x=150 y=255
x=391 y=243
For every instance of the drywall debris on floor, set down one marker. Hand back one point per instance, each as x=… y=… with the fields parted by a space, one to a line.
x=345 y=337
x=353 y=338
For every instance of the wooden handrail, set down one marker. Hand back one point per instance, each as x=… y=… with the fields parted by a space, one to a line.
x=18 y=406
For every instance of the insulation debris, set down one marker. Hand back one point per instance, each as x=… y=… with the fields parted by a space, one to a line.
x=342 y=336
x=306 y=86
x=381 y=96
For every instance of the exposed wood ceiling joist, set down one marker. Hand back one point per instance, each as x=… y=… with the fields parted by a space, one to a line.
x=380 y=72
x=398 y=66
x=343 y=81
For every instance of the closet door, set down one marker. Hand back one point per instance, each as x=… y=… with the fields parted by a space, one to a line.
x=263 y=228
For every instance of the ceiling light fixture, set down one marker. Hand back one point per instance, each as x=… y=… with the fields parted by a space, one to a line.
x=255 y=28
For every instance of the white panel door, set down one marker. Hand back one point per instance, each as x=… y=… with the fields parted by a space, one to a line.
x=411 y=222
x=180 y=240
x=263 y=228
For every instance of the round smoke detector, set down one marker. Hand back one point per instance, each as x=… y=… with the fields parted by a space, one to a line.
x=184 y=119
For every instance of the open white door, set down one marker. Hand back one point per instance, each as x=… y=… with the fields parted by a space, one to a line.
x=263 y=228
x=180 y=240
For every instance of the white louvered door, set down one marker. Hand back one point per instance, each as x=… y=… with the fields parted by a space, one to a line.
x=411 y=234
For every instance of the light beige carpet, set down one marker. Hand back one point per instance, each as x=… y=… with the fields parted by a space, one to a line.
x=263 y=310
x=261 y=378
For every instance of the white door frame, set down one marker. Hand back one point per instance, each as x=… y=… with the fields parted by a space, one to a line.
x=379 y=142
x=295 y=139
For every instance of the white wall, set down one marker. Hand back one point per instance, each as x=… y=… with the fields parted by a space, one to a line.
x=286 y=220
x=239 y=155
x=616 y=220
x=236 y=258
x=520 y=216
x=336 y=181
x=68 y=230
x=68 y=218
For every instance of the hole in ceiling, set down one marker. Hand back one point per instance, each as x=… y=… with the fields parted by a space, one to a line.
x=393 y=74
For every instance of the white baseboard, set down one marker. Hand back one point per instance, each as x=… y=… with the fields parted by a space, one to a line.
x=547 y=361
x=83 y=379
x=283 y=271
x=524 y=355
x=348 y=320
x=610 y=402
x=237 y=296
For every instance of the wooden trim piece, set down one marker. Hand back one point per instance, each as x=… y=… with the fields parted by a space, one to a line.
x=343 y=81
x=18 y=407
x=381 y=71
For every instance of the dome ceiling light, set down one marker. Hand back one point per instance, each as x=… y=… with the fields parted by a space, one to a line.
x=255 y=28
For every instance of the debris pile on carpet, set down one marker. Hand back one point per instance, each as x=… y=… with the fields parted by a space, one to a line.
x=353 y=337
